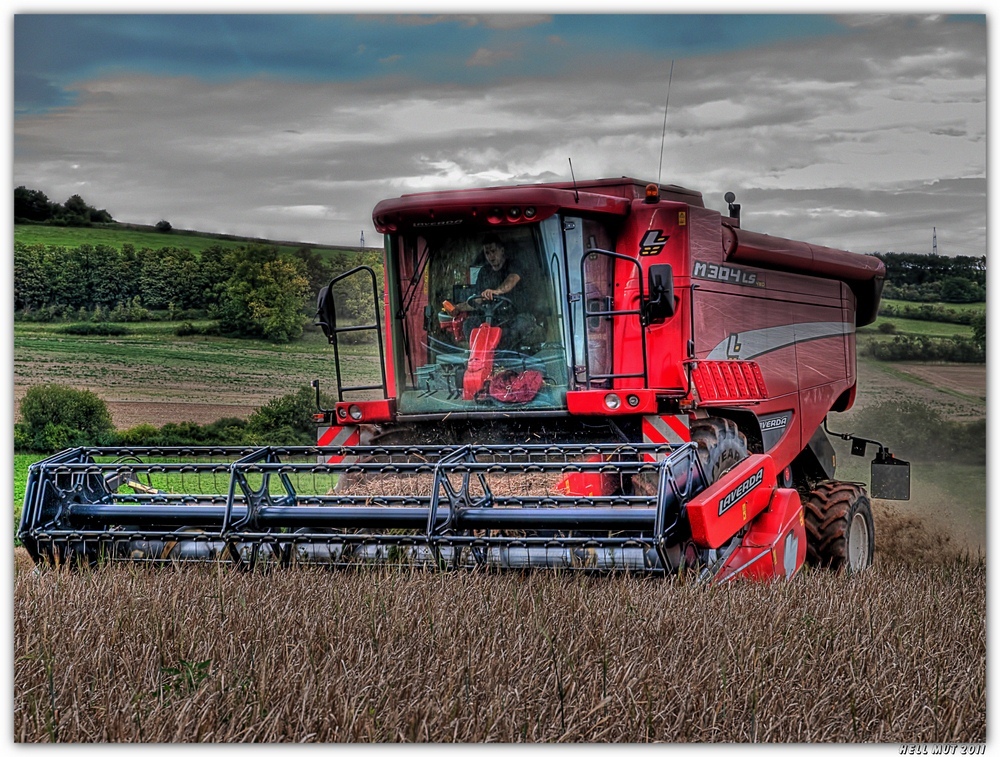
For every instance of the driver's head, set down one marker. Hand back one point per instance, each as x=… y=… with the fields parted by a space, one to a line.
x=493 y=249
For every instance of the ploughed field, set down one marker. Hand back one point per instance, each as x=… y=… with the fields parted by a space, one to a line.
x=129 y=654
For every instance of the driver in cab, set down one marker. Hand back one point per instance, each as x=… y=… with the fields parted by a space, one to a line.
x=499 y=278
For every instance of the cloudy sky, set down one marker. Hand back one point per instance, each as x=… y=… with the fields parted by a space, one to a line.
x=860 y=131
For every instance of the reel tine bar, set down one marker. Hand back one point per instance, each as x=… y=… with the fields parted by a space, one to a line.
x=495 y=500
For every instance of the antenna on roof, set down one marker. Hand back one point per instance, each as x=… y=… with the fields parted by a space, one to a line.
x=663 y=137
x=575 y=190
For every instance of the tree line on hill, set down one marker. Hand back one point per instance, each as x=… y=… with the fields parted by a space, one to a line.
x=919 y=277
x=33 y=206
x=250 y=291
x=253 y=290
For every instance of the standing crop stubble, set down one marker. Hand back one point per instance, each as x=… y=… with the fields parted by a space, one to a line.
x=387 y=654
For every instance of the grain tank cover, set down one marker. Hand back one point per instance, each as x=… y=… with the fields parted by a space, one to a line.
x=864 y=274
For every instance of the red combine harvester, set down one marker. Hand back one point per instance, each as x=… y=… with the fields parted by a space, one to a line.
x=604 y=375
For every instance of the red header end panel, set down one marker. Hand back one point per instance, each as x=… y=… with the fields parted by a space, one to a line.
x=794 y=326
x=721 y=510
x=774 y=545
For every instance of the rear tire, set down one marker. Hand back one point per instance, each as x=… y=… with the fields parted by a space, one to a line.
x=840 y=530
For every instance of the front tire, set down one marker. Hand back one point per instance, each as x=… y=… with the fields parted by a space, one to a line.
x=721 y=445
x=840 y=530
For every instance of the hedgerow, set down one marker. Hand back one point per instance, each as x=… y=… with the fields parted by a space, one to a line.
x=956 y=349
x=57 y=417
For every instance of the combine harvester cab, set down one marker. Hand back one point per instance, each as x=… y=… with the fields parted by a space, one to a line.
x=599 y=376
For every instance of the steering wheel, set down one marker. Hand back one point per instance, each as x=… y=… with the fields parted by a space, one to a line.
x=490 y=308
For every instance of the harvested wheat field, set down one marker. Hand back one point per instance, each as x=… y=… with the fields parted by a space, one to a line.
x=207 y=654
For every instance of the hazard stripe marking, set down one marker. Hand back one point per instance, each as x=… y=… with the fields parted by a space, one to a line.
x=339 y=436
x=650 y=434
x=679 y=426
x=671 y=428
x=665 y=429
x=327 y=436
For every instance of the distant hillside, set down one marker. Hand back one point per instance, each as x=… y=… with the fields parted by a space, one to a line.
x=142 y=236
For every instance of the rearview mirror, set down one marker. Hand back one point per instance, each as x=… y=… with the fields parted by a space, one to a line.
x=661 y=293
x=326 y=315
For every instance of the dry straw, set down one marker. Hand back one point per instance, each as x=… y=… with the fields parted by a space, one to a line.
x=207 y=654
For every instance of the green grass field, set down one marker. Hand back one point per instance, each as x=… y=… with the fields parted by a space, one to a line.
x=112 y=236
x=957 y=306
x=21 y=463
x=912 y=327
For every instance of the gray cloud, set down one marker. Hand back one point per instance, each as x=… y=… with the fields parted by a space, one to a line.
x=864 y=140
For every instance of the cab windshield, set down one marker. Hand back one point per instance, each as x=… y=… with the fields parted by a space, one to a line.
x=481 y=321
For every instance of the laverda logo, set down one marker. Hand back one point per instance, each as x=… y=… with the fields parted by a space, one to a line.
x=741 y=491
x=774 y=423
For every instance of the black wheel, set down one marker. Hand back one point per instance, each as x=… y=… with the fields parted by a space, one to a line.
x=840 y=531
x=721 y=445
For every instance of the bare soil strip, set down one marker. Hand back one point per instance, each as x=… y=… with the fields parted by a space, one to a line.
x=128 y=414
x=967 y=379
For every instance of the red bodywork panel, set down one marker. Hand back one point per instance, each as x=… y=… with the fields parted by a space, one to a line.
x=491 y=205
x=597 y=402
x=654 y=234
x=774 y=545
x=365 y=411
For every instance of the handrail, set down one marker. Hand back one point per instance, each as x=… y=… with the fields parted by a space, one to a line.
x=639 y=312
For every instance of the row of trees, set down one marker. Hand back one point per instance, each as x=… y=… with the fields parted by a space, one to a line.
x=254 y=291
x=955 y=349
x=929 y=312
x=919 y=277
x=33 y=205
